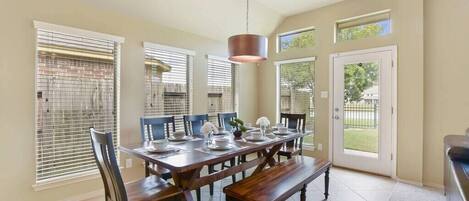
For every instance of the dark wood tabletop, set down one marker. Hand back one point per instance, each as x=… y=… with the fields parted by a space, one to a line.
x=189 y=157
x=194 y=154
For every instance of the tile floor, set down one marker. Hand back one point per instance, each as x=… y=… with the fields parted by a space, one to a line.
x=347 y=185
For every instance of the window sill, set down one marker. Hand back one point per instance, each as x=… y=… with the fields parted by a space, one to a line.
x=66 y=180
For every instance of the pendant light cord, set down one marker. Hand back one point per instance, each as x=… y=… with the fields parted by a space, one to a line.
x=247 y=16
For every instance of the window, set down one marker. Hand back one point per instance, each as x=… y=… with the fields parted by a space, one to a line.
x=77 y=87
x=221 y=74
x=296 y=39
x=296 y=90
x=168 y=82
x=375 y=24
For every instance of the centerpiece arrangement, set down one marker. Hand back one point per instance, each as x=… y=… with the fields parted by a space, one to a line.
x=263 y=123
x=239 y=127
x=208 y=129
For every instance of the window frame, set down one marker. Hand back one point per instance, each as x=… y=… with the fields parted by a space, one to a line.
x=90 y=174
x=292 y=32
x=234 y=80
x=354 y=18
x=190 y=54
x=278 y=65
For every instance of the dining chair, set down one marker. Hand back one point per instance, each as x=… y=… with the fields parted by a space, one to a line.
x=295 y=147
x=224 y=121
x=157 y=128
x=193 y=124
x=149 y=188
x=225 y=118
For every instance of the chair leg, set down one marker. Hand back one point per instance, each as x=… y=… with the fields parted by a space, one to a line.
x=232 y=164
x=303 y=193
x=289 y=156
x=243 y=172
x=197 y=192
x=222 y=165
x=278 y=158
x=326 y=183
x=147 y=171
x=210 y=171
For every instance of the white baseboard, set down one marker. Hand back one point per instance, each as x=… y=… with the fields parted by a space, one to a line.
x=434 y=185
x=415 y=183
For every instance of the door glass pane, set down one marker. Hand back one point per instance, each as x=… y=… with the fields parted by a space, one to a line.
x=297 y=86
x=361 y=109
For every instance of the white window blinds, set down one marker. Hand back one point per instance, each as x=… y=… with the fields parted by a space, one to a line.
x=168 y=84
x=77 y=86
x=221 y=87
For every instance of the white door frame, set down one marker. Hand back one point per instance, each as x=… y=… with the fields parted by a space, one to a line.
x=393 y=49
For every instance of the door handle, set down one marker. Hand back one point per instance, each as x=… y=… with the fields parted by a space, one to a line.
x=336 y=117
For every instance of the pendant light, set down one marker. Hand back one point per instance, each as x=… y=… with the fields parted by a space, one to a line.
x=247 y=48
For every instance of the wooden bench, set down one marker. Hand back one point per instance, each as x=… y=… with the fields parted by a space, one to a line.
x=281 y=181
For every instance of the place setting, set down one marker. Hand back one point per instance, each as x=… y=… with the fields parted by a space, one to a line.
x=281 y=130
x=160 y=148
x=180 y=137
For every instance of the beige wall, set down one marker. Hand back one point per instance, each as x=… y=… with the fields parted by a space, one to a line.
x=446 y=75
x=407 y=17
x=17 y=78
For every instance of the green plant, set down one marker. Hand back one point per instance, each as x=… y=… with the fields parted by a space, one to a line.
x=238 y=124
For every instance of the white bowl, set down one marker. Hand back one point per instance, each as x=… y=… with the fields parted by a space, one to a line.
x=256 y=135
x=159 y=144
x=179 y=134
x=221 y=142
x=282 y=129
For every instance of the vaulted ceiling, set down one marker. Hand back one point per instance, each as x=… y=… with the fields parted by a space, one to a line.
x=215 y=19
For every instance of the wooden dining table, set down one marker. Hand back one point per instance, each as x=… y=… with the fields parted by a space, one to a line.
x=188 y=158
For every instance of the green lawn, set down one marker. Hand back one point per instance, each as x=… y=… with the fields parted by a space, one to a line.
x=361 y=139
x=357 y=139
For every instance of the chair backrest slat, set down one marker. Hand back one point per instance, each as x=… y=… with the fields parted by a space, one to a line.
x=225 y=118
x=193 y=123
x=103 y=150
x=156 y=128
x=294 y=121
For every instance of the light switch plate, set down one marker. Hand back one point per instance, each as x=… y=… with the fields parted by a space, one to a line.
x=324 y=94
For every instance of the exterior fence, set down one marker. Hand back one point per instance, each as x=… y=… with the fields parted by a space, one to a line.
x=361 y=115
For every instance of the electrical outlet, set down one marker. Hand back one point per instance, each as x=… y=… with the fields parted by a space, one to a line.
x=319 y=146
x=128 y=163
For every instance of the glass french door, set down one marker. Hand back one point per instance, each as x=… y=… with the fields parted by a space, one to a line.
x=362 y=111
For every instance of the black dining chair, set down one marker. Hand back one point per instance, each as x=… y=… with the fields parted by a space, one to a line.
x=225 y=118
x=149 y=188
x=295 y=147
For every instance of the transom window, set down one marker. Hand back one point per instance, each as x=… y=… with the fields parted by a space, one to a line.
x=374 y=24
x=168 y=81
x=296 y=87
x=77 y=87
x=221 y=86
x=305 y=38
